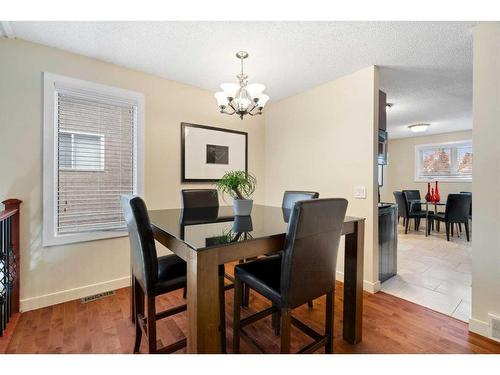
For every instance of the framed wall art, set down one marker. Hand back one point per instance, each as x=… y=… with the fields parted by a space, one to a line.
x=208 y=152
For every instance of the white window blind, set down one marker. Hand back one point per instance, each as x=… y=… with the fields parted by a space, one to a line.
x=95 y=160
x=450 y=161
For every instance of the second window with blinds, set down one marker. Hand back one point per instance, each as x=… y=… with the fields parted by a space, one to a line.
x=92 y=155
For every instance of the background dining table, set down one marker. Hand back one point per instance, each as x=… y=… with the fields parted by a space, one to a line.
x=208 y=237
x=427 y=203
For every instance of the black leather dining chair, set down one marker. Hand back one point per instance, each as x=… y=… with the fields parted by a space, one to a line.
x=414 y=195
x=151 y=278
x=404 y=211
x=304 y=271
x=292 y=196
x=199 y=198
x=457 y=212
x=289 y=199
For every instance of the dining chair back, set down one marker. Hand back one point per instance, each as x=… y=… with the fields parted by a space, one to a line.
x=309 y=259
x=468 y=193
x=458 y=207
x=292 y=196
x=198 y=198
x=402 y=204
x=413 y=195
x=142 y=244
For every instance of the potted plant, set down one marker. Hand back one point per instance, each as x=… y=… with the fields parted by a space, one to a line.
x=240 y=185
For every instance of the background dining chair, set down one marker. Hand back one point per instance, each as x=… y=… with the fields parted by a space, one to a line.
x=404 y=212
x=414 y=195
x=292 y=196
x=199 y=198
x=457 y=211
x=289 y=199
x=304 y=271
x=150 y=278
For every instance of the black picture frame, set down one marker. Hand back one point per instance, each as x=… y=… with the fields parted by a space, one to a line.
x=184 y=126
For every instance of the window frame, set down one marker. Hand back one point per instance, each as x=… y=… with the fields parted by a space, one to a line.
x=50 y=166
x=453 y=161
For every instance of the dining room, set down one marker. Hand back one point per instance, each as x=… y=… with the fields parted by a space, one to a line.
x=209 y=206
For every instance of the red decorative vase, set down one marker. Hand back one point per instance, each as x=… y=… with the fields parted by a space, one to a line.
x=428 y=196
x=433 y=195
x=437 y=197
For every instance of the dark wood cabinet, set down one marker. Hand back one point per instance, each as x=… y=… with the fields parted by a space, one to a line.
x=387 y=241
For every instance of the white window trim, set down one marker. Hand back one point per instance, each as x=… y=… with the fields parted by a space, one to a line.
x=97 y=135
x=440 y=178
x=50 y=167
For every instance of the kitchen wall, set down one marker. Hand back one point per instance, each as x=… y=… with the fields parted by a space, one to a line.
x=51 y=275
x=323 y=140
x=485 y=140
x=399 y=174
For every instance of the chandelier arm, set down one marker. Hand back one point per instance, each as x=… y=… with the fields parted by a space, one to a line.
x=231 y=105
x=225 y=111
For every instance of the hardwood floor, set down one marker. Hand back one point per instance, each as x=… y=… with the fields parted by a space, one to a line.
x=391 y=325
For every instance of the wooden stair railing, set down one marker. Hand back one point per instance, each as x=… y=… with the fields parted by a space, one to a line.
x=9 y=268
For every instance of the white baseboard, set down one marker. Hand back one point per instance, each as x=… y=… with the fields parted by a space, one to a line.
x=479 y=327
x=50 y=299
x=368 y=286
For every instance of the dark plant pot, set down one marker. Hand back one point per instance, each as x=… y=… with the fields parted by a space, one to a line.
x=242 y=224
x=242 y=207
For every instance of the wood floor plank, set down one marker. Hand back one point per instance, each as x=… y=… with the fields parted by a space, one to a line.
x=390 y=325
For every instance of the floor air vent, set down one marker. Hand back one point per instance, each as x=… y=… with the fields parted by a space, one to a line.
x=495 y=327
x=97 y=296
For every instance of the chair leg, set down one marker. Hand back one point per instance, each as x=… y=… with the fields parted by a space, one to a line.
x=237 y=315
x=447 y=225
x=406 y=225
x=460 y=227
x=330 y=297
x=138 y=309
x=246 y=295
x=222 y=312
x=310 y=304
x=452 y=229
x=151 y=322
x=286 y=320
x=185 y=292
x=276 y=317
x=417 y=224
x=438 y=225
x=467 y=233
x=132 y=296
x=404 y=222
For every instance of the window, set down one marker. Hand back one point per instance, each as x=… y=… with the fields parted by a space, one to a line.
x=447 y=161
x=92 y=155
x=81 y=151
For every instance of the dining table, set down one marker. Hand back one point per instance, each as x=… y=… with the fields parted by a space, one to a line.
x=210 y=236
x=413 y=202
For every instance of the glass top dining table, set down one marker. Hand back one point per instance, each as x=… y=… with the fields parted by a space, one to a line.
x=210 y=236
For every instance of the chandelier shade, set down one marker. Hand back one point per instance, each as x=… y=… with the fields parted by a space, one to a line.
x=243 y=98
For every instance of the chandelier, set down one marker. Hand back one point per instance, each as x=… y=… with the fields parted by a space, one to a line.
x=241 y=99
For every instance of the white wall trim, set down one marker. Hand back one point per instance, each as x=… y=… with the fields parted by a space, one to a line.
x=50 y=299
x=368 y=286
x=479 y=327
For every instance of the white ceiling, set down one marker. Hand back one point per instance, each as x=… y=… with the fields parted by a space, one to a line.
x=426 y=67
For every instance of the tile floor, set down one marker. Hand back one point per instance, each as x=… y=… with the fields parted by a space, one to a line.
x=433 y=272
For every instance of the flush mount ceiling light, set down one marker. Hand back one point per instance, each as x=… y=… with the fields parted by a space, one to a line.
x=241 y=99
x=418 y=128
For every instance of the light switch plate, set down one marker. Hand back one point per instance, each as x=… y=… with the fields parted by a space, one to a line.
x=360 y=192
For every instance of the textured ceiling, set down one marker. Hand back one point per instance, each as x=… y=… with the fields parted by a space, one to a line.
x=426 y=67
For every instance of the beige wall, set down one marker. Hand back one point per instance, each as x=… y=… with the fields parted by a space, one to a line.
x=54 y=274
x=323 y=140
x=399 y=174
x=486 y=137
